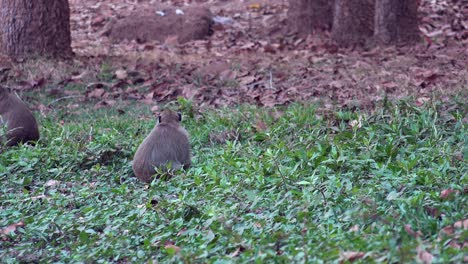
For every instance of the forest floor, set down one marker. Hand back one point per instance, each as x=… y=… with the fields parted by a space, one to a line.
x=321 y=155
x=251 y=60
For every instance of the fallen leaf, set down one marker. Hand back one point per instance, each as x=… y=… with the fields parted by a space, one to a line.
x=337 y=84
x=454 y=244
x=355 y=123
x=354 y=228
x=446 y=193
x=247 y=46
x=104 y=103
x=227 y=75
x=155 y=109
x=421 y=100
x=51 y=183
x=121 y=74
x=11 y=228
x=448 y=230
x=350 y=256
x=247 y=80
x=461 y=224
x=34 y=198
x=97 y=93
x=424 y=256
x=182 y=231
x=432 y=211
x=410 y=231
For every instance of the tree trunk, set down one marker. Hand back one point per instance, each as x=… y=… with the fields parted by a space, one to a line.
x=305 y=16
x=353 y=22
x=35 y=27
x=396 y=21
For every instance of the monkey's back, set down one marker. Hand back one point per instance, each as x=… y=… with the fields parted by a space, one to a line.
x=21 y=124
x=165 y=145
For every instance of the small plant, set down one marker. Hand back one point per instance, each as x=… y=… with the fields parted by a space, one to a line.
x=105 y=74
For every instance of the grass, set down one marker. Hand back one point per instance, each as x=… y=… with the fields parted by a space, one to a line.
x=296 y=187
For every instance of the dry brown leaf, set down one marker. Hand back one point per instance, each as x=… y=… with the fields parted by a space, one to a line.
x=422 y=100
x=104 y=103
x=109 y=102
x=34 y=198
x=448 y=230
x=182 y=231
x=455 y=244
x=355 y=123
x=461 y=224
x=149 y=95
x=121 y=74
x=11 y=228
x=97 y=93
x=337 y=84
x=446 y=193
x=350 y=256
x=424 y=256
x=227 y=75
x=432 y=211
x=51 y=183
x=80 y=76
x=354 y=228
x=155 y=109
x=97 y=21
x=247 y=80
x=247 y=46
x=410 y=231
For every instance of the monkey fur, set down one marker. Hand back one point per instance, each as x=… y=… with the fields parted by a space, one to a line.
x=19 y=121
x=167 y=147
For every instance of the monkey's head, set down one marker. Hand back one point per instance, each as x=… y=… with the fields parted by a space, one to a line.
x=168 y=116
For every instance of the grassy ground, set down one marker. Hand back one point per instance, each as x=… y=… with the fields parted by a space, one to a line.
x=298 y=186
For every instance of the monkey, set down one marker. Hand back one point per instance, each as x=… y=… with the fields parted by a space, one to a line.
x=21 y=126
x=167 y=147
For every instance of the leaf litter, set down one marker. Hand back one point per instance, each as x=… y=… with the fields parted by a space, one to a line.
x=251 y=58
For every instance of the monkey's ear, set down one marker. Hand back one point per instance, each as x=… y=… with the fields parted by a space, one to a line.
x=180 y=116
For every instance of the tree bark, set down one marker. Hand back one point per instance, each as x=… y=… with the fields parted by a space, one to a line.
x=306 y=16
x=35 y=28
x=396 y=21
x=353 y=22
